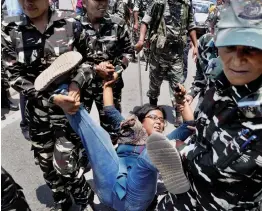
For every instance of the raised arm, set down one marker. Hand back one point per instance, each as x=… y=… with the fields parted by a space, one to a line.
x=113 y=115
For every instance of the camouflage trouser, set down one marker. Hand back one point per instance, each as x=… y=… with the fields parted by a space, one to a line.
x=12 y=197
x=186 y=51
x=56 y=148
x=4 y=79
x=167 y=65
x=62 y=182
x=94 y=93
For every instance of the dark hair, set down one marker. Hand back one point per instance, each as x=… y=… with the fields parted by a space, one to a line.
x=142 y=111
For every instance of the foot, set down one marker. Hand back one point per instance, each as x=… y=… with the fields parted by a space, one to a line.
x=13 y=107
x=25 y=132
x=62 y=206
x=3 y=117
x=57 y=70
x=153 y=101
x=10 y=105
x=167 y=160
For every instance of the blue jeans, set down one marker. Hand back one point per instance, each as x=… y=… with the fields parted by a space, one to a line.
x=182 y=132
x=115 y=186
x=79 y=10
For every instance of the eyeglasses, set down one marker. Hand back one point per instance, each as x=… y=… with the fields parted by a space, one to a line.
x=155 y=118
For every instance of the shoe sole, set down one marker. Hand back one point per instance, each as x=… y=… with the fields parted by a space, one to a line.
x=62 y=65
x=167 y=160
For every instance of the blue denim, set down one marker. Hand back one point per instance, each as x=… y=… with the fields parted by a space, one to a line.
x=182 y=132
x=79 y=10
x=116 y=186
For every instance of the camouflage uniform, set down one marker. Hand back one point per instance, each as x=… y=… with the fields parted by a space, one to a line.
x=4 y=78
x=12 y=196
x=117 y=7
x=141 y=6
x=110 y=43
x=55 y=4
x=167 y=62
x=213 y=18
x=216 y=184
x=207 y=51
x=26 y=53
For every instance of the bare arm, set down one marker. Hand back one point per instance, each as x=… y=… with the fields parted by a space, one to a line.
x=143 y=30
x=136 y=17
x=114 y=116
x=108 y=96
x=187 y=112
x=182 y=105
x=193 y=37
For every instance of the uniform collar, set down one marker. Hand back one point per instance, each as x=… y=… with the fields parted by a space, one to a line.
x=211 y=43
x=86 y=22
x=237 y=92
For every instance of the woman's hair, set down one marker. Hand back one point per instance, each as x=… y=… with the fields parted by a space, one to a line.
x=142 y=111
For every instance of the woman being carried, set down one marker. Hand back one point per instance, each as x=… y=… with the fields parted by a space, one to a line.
x=125 y=179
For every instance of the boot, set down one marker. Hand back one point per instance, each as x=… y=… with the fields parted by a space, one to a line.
x=25 y=130
x=86 y=208
x=3 y=117
x=6 y=103
x=59 y=71
x=153 y=101
x=63 y=206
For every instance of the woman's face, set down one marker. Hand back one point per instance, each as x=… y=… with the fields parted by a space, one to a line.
x=96 y=8
x=154 y=122
x=34 y=8
x=242 y=64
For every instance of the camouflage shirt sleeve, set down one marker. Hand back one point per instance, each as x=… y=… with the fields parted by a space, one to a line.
x=191 y=20
x=120 y=8
x=136 y=6
x=20 y=81
x=85 y=70
x=125 y=49
x=200 y=80
x=149 y=13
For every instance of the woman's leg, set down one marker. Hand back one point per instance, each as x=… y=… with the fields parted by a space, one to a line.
x=101 y=153
x=141 y=183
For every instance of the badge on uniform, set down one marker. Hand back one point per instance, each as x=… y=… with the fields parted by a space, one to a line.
x=251 y=105
x=252 y=11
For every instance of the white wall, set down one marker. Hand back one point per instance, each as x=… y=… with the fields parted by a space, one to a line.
x=65 y=5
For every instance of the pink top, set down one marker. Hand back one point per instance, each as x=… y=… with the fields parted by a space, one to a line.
x=79 y=3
